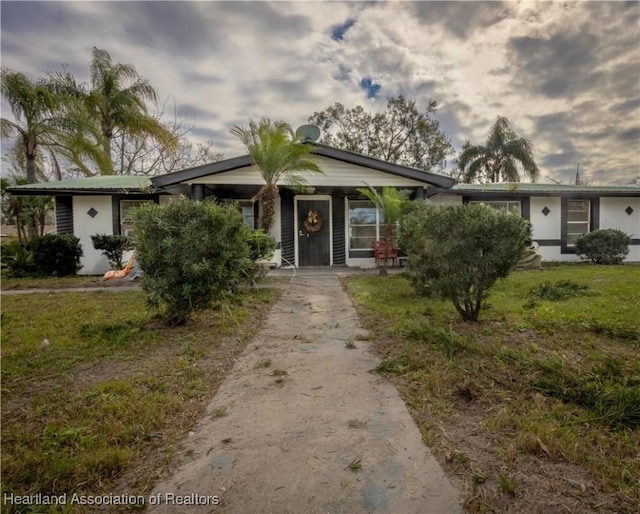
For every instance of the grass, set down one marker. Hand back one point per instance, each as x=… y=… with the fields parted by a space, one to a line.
x=58 y=283
x=355 y=465
x=95 y=394
x=553 y=385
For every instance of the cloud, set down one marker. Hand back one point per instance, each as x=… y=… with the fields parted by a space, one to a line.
x=567 y=74
x=338 y=31
x=460 y=18
x=561 y=65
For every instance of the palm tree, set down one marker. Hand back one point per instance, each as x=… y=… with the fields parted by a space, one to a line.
x=280 y=158
x=498 y=160
x=81 y=141
x=35 y=106
x=118 y=99
x=390 y=204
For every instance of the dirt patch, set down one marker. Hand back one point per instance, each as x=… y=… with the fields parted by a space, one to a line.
x=481 y=460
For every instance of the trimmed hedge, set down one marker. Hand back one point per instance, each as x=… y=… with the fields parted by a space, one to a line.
x=606 y=246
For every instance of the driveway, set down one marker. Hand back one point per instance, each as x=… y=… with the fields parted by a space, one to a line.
x=297 y=410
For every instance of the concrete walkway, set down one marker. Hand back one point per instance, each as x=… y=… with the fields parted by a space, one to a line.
x=296 y=410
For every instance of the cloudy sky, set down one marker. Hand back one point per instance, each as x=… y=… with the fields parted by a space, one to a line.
x=567 y=74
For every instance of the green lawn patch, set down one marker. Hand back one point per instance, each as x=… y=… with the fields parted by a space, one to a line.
x=542 y=395
x=95 y=394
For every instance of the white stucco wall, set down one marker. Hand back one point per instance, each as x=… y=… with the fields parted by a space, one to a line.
x=549 y=226
x=613 y=215
x=84 y=226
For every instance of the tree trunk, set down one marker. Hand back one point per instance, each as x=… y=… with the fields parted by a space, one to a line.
x=56 y=166
x=31 y=169
x=106 y=146
x=268 y=195
x=388 y=236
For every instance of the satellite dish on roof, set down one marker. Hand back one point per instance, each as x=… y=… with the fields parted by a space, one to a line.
x=308 y=133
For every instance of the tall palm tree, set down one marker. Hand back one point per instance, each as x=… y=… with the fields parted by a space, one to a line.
x=498 y=160
x=35 y=107
x=390 y=203
x=81 y=141
x=118 y=99
x=280 y=158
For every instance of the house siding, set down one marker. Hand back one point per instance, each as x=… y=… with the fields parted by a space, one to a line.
x=84 y=225
x=64 y=214
x=287 y=233
x=545 y=227
x=339 y=228
x=613 y=214
x=335 y=174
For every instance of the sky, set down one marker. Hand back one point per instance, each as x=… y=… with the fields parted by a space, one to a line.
x=567 y=74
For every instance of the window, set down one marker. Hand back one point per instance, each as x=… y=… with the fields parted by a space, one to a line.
x=363 y=230
x=127 y=208
x=366 y=225
x=505 y=205
x=578 y=219
x=246 y=206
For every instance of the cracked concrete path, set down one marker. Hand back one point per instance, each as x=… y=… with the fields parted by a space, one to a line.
x=295 y=411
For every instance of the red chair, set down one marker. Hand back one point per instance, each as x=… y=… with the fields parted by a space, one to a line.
x=379 y=252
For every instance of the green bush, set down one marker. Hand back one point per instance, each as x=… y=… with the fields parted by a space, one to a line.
x=457 y=252
x=606 y=246
x=17 y=260
x=192 y=254
x=112 y=247
x=56 y=254
x=261 y=245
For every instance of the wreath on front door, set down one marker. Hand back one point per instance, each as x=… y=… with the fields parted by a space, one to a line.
x=313 y=223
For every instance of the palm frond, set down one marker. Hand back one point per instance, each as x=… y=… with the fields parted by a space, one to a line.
x=499 y=157
x=279 y=157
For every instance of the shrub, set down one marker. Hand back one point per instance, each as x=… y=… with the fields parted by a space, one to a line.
x=17 y=260
x=458 y=252
x=112 y=247
x=56 y=254
x=191 y=254
x=261 y=245
x=606 y=246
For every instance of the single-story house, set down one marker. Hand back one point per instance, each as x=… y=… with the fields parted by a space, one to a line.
x=349 y=223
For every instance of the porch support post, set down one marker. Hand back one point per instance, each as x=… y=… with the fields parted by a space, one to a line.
x=197 y=192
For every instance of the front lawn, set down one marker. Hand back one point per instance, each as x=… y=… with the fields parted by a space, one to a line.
x=95 y=394
x=536 y=408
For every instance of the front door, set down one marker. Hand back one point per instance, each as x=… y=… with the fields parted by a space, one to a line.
x=314 y=233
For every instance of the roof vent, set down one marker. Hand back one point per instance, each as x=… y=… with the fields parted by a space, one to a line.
x=308 y=133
